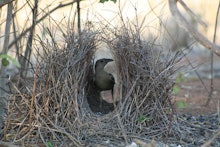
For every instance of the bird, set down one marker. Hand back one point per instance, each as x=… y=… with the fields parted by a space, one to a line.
x=103 y=80
x=99 y=81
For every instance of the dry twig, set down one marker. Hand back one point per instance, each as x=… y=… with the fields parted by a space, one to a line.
x=184 y=23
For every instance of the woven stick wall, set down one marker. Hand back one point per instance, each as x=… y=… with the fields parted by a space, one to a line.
x=52 y=107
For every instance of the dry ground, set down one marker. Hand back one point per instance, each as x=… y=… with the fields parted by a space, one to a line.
x=193 y=93
x=194 y=96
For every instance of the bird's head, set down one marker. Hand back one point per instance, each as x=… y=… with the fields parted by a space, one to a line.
x=101 y=63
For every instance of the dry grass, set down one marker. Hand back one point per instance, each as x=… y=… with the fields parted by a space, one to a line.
x=52 y=107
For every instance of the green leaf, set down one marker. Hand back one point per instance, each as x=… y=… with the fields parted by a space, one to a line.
x=180 y=78
x=5 y=62
x=176 y=89
x=103 y=1
x=49 y=144
x=181 y=104
x=7 y=57
x=143 y=118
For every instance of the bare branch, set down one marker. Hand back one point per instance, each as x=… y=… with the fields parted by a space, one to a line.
x=212 y=70
x=184 y=23
x=4 y=2
x=39 y=20
x=7 y=28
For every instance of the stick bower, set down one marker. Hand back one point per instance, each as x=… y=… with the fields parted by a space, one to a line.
x=52 y=108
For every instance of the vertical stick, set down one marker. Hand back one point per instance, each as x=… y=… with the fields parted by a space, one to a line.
x=79 y=24
x=3 y=76
x=212 y=56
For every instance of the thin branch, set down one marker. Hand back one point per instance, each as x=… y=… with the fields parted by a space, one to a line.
x=15 y=31
x=4 y=2
x=212 y=55
x=200 y=21
x=7 y=28
x=28 y=49
x=78 y=11
x=2 y=71
x=187 y=59
x=184 y=23
x=38 y=21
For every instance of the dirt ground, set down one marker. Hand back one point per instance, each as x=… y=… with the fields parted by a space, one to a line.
x=193 y=96
x=194 y=93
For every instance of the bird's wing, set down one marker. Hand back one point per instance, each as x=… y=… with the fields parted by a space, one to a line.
x=111 y=68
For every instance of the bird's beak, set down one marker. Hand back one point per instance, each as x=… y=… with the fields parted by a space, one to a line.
x=109 y=60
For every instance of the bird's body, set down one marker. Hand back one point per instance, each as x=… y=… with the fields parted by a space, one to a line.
x=102 y=83
x=103 y=80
